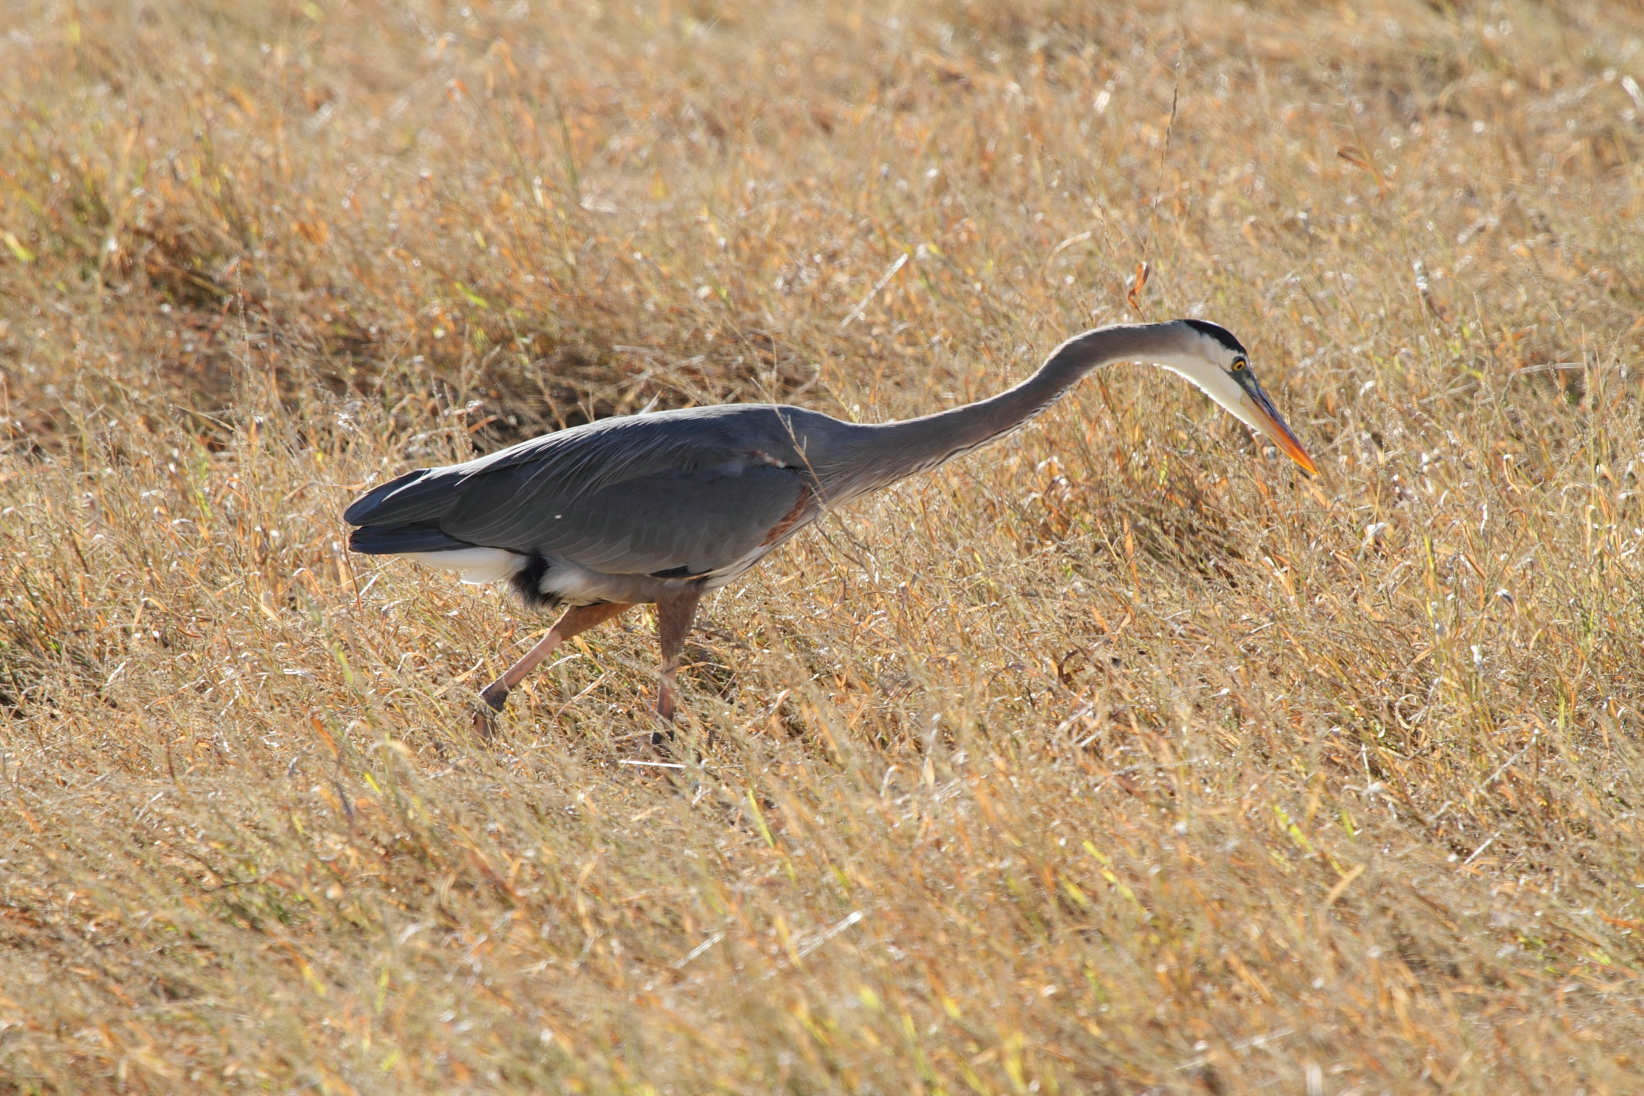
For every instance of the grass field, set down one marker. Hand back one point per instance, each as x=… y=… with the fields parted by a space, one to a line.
x=1117 y=758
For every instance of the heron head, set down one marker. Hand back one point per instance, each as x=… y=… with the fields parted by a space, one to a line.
x=1208 y=355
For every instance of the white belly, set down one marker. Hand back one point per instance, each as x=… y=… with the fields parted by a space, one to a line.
x=478 y=565
x=568 y=583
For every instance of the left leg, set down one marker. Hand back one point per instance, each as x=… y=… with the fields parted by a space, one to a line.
x=579 y=619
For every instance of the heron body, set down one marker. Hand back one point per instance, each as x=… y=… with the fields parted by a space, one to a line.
x=662 y=508
x=625 y=509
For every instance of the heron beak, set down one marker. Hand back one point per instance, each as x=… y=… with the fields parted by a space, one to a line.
x=1260 y=411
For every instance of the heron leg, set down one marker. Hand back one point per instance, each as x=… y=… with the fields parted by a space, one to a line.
x=578 y=619
x=674 y=613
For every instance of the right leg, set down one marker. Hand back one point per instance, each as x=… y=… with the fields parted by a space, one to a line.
x=579 y=619
x=674 y=613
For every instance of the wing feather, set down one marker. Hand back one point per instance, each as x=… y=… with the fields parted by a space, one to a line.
x=682 y=492
x=699 y=521
x=564 y=464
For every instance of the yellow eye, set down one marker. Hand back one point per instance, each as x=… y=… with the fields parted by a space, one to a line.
x=1238 y=365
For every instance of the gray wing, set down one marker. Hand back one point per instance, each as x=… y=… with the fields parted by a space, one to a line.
x=670 y=495
x=673 y=524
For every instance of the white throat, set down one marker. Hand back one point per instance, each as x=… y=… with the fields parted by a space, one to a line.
x=1213 y=381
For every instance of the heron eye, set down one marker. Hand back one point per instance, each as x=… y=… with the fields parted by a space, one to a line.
x=1238 y=365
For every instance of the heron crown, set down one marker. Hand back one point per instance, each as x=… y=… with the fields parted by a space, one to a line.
x=1219 y=335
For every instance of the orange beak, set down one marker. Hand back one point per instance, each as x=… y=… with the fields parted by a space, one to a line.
x=1260 y=408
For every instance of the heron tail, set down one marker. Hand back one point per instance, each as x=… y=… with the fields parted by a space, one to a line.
x=399 y=540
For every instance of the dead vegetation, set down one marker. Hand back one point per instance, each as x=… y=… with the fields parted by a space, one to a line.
x=1113 y=759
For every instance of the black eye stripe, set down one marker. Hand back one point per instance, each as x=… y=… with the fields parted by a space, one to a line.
x=1217 y=332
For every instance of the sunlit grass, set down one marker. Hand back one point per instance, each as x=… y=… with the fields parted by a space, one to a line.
x=1117 y=758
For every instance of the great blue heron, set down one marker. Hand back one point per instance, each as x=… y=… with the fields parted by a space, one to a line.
x=665 y=507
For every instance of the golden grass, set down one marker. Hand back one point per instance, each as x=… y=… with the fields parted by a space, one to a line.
x=1114 y=759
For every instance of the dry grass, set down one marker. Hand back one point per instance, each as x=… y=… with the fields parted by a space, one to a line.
x=1115 y=759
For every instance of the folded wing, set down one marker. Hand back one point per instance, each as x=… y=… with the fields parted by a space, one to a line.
x=634 y=496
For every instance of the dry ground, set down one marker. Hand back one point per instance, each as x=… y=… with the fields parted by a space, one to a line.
x=1118 y=758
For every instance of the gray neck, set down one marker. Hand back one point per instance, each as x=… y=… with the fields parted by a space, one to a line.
x=885 y=454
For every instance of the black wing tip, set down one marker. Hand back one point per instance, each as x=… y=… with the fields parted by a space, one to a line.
x=360 y=511
x=1219 y=333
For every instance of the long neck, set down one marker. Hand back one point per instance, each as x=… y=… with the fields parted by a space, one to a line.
x=887 y=453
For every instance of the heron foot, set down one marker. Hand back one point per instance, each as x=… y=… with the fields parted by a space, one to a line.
x=662 y=739
x=495 y=694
